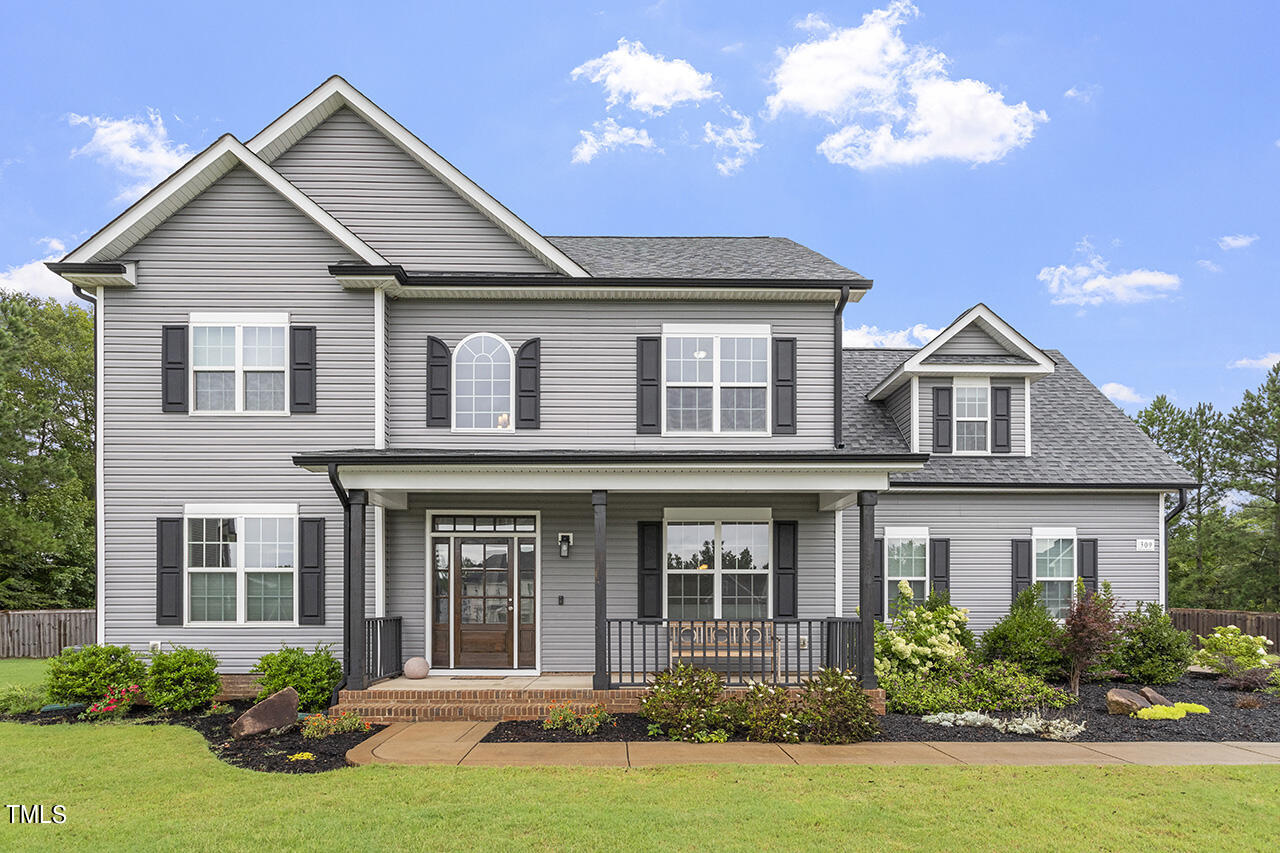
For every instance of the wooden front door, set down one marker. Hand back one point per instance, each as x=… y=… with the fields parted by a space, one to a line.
x=484 y=615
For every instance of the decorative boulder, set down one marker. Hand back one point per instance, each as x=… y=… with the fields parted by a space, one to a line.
x=277 y=711
x=1125 y=702
x=416 y=668
x=1153 y=697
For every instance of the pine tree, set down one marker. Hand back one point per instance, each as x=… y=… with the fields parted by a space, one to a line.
x=1252 y=442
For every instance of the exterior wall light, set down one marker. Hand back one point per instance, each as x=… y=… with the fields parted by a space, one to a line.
x=566 y=542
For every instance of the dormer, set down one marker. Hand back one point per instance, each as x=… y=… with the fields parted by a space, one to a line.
x=968 y=391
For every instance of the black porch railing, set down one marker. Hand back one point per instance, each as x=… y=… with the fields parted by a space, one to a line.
x=743 y=651
x=382 y=648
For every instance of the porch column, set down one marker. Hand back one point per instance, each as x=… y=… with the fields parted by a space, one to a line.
x=353 y=566
x=600 y=681
x=868 y=590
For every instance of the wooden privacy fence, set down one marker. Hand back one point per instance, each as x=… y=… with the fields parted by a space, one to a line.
x=44 y=633
x=1203 y=622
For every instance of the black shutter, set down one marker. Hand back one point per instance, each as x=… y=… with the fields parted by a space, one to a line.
x=169 y=570
x=173 y=369
x=942 y=420
x=1088 y=563
x=1021 y=565
x=784 y=386
x=877 y=581
x=786 y=559
x=437 y=383
x=302 y=368
x=311 y=571
x=1001 y=441
x=648 y=385
x=940 y=564
x=649 y=570
x=529 y=384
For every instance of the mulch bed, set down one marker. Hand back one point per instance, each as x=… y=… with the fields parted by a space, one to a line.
x=1224 y=721
x=267 y=752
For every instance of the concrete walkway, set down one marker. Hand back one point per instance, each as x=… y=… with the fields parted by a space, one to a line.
x=458 y=743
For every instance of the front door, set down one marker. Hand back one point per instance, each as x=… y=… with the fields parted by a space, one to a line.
x=484 y=606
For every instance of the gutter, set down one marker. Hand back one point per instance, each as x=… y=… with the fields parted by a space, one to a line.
x=837 y=371
x=331 y=459
x=1177 y=508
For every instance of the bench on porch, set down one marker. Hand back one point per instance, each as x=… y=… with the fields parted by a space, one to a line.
x=747 y=650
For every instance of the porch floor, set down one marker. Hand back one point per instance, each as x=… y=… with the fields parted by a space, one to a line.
x=469 y=682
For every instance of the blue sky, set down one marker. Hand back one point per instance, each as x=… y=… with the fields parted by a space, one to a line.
x=1105 y=176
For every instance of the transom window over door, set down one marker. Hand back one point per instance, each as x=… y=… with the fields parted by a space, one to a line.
x=973 y=414
x=238 y=363
x=718 y=569
x=1055 y=567
x=483 y=387
x=716 y=379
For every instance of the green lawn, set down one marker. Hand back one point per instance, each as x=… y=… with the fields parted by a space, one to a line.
x=159 y=787
x=22 y=671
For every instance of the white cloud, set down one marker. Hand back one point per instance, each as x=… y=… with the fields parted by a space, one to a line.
x=1122 y=394
x=1236 y=241
x=1210 y=266
x=736 y=144
x=1091 y=282
x=872 y=336
x=34 y=277
x=1265 y=362
x=139 y=148
x=732 y=48
x=649 y=83
x=609 y=135
x=894 y=102
x=1083 y=94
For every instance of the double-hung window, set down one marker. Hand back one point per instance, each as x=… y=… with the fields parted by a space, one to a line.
x=906 y=559
x=239 y=363
x=240 y=564
x=1055 y=567
x=973 y=414
x=716 y=379
x=717 y=564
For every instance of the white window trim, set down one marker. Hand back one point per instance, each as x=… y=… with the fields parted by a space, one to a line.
x=239 y=512
x=238 y=321
x=1039 y=534
x=897 y=534
x=716 y=332
x=453 y=387
x=718 y=517
x=969 y=382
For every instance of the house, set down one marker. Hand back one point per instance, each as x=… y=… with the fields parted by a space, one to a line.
x=347 y=397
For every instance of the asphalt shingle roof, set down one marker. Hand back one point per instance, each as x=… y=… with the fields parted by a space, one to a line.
x=1078 y=436
x=702 y=258
x=943 y=358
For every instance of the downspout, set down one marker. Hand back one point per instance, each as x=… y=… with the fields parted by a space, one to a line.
x=838 y=368
x=79 y=291
x=1178 y=507
x=345 y=501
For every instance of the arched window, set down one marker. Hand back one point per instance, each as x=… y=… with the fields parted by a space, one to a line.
x=483 y=389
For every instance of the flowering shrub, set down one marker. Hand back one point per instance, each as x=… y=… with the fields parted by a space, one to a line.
x=766 y=713
x=182 y=679
x=563 y=716
x=685 y=702
x=1032 y=724
x=319 y=726
x=1229 y=647
x=85 y=674
x=1149 y=649
x=920 y=638
x=1025 y=636
x=114 y=704
x=1169 y=712
x=964 y=684
x=833 y=708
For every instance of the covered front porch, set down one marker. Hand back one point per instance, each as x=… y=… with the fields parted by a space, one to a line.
x=613 y=569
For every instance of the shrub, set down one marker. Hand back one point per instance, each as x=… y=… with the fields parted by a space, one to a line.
x=313 y=674
x=1249 y=703
x=684 y=703
x=318 y=726
x=1058 y=728
x=921 y=637
x=967 y=685
x=1088 y=632
x=1247 y=680
x=1228 y=642
x=22 y=698
x=1149 y=649
x=1169 y=712
x=766 y=713
x=833 y=708
x=1026 y=636
x=183 y=679
x=561 y=715
x=1273 y=686
x=114 y=704
x=86 y=674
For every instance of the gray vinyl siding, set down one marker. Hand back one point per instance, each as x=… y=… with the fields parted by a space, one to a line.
x=236 y=247
x=970 y=340
x=395 y=205
x=1017 y=410
x=982 y=525
x=568 y=631
x=899 y=405
x=589 y=368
